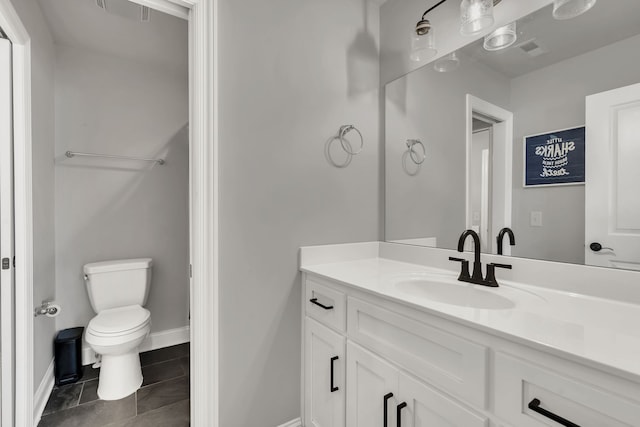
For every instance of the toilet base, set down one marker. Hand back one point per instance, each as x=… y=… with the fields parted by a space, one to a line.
x=120 y=376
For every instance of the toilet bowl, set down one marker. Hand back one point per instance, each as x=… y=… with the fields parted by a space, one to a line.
x=116 y=334
x=117 y=291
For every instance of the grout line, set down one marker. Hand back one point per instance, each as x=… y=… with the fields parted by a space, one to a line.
x=80 y=395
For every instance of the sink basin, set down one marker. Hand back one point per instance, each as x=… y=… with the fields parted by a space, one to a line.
x=443 y=289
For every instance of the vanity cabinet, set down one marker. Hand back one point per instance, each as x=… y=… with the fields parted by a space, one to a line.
x=368 y=359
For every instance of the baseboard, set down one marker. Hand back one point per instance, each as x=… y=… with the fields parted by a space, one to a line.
x=42 y=394
x=154 y=341
x=293 y=423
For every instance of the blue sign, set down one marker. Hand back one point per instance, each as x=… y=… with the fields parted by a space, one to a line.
x=554 y=158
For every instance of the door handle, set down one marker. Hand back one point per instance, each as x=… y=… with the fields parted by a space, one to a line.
x=534 y=405
x=399 y=412
x=333 y=359
x=597 y=247
x=386 y=410
x=315 y=301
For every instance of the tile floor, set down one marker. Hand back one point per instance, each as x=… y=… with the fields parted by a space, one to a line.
x=162 y=401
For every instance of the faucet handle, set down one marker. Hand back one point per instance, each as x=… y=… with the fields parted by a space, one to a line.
x=490 y=280
x=464 y=271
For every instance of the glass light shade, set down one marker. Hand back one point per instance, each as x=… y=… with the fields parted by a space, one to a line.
x=567 y=9
x=422 y=47
x=447 y=63
x=501 y=38
x=475 y=16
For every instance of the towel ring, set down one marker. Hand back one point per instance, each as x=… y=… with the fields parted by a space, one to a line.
x=344 y=130
x=415 y=156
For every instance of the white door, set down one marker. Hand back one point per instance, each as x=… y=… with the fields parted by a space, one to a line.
x=372 y=389
x=427 y=407
x=6 y=237
x=612 y=192
x=324 y=376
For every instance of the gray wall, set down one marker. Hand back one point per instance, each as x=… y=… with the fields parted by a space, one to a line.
x=42 y=110
x=554 y=98
x=109 y=209
x=431 y=107
x=284 y=91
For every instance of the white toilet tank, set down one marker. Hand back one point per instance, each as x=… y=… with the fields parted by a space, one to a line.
x=118 y=283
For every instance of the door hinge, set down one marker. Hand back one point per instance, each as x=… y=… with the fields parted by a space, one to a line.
x=6 y=263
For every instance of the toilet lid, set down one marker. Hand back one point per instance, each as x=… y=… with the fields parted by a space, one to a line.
x=119 y=320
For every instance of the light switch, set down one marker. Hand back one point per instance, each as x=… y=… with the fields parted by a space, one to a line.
x=536 y=219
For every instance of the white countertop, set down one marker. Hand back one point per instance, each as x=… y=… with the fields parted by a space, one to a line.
x=599 y=332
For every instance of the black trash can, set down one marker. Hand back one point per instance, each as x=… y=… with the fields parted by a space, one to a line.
x=68 y=356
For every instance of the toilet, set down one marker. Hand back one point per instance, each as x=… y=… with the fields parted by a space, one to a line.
x=118 y=290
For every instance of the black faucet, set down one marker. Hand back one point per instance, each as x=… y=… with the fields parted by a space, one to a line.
x=500 y=238
x=476 y=277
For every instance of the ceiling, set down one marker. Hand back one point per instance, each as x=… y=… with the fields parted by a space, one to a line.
x=607 y=22
x=163 y=41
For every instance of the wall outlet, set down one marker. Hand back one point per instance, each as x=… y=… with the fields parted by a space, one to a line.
x=536 y=219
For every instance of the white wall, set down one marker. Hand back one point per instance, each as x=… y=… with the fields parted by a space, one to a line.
x=291 y=73
x=554 y=98
x=42 y=109
x=109 y=209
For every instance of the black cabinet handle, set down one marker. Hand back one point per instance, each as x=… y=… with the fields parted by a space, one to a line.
x=534 y=405
x=399 y=412
x=385 y=410
x=315 y=301
x=333 y=359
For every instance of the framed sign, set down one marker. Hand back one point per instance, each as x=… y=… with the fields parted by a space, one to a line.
x=554 y=158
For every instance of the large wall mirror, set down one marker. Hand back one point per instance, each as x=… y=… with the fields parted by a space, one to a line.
x=542 y=136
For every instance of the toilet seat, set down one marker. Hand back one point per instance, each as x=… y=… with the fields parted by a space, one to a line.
x=119 y=321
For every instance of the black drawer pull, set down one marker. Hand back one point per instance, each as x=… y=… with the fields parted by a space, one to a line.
x=315 y=301
x=385 y=411
x=399 y=412
x=534 y=405
x=333 y=359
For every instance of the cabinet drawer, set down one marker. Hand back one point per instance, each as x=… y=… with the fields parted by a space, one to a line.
x=447 y=361
x=518 y=382
x=326 y=305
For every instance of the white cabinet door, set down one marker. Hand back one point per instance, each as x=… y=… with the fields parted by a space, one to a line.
x=324 y=376
x=428 y=407
x=372 y=386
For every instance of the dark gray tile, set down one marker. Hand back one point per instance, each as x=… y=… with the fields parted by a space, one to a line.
x=63 y=397
x=162 y=394
x=175 y=415
x=88 y=373
x=164 y=354
x=89 y=392
x=94 y=414
x=161 y=372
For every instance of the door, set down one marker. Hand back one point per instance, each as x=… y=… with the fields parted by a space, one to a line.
x=428 y=407
x=6 y=237
x=324 y=376
x=372 y=389
x=612 y=204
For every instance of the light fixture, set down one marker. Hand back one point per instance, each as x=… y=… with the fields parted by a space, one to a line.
x=447 y=63
x=567 y=9
x=475 y=16
x=501 y=38
x=423 y=44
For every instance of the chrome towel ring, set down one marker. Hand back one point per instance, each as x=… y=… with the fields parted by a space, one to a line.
x=346 y=146
x=416 y=157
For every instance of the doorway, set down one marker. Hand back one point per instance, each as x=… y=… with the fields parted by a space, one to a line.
x=489 y=139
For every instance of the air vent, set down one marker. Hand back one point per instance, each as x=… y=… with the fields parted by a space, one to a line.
x=532 y=48
x=145 y=14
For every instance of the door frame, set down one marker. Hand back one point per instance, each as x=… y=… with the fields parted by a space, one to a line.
x=503 y=136
x=203 y=205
